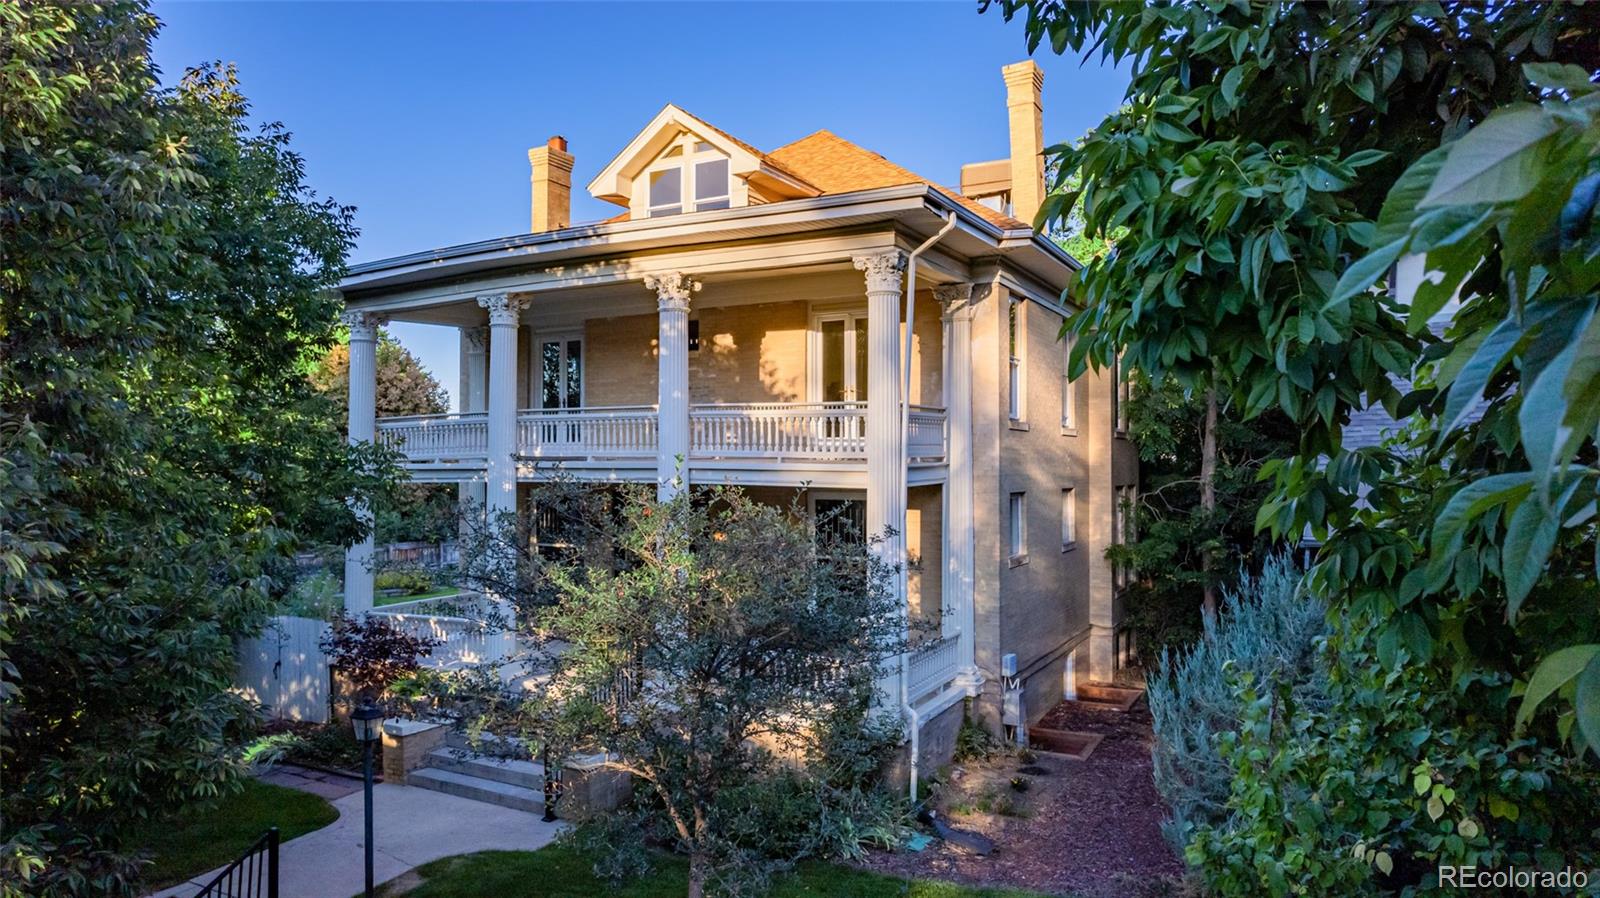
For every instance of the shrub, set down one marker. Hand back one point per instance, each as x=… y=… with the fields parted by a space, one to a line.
x=1268 y=628
x=372 y=652
x=409 y=580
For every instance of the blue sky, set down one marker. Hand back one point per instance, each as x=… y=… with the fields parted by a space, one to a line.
x=421 y=114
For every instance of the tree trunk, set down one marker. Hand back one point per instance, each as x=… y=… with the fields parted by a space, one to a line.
x=1208 y=495
x=697 y=874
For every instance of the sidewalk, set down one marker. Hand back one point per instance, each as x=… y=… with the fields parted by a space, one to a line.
x=411 y=827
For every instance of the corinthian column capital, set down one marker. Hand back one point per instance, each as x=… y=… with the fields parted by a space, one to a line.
x=363 y=325
x=883 y=270
x=503 y=307
x=673 y=290
x=955 y=300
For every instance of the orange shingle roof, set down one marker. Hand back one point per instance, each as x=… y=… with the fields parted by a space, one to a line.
x=835 y=165
x=831 y=164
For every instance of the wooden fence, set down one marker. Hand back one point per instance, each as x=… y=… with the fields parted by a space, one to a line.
x=285 y=669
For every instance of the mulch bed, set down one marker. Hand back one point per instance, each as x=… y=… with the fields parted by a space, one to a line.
x=1080 y=827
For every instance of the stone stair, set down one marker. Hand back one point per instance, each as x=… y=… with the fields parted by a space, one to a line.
x=457 y=770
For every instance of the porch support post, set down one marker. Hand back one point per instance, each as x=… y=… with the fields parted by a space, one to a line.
x=886 y=455
x=957 y=586
x=358 y=573
x=672 y=356
x=474 y=398
x=501 y=468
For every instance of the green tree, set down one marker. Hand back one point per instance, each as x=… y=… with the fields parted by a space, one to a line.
x=414 y=512
x=404 y=387
x=1250 y=159
x=163 y=289
x=696 y=642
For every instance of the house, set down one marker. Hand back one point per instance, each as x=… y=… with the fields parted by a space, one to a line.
x=762 y=318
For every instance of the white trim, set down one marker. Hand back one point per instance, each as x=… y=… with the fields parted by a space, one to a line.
x=536 y=365
x=853 y=314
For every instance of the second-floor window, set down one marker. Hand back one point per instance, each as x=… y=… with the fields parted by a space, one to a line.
x=1017 y=341
x=691 y=176
x=1069 y=395
x=1019 y=528
x=1123 y=530
x=1069 y=518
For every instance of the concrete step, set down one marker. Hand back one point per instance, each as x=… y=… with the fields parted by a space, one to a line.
x=511 y=771
x=509 y=746
x=1122 y=698
x=477 y=789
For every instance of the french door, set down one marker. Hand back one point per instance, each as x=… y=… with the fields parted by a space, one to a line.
x=560 y=388
x=840 y=372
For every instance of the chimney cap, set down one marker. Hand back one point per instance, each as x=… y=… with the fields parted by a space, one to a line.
x=557 y=142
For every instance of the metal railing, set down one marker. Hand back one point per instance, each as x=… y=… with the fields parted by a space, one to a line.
x=933 y=666
x=253 y=875
x=620 y=431
x=427 y=438
x=831 y=430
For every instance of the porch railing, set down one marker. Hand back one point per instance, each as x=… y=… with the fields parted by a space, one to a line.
x=779 y=429
x=925 y=432
x=425 y=438
x=933 y=666
x=770 y=430
x=623 y=431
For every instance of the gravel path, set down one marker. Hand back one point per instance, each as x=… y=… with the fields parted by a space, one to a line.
x=1088 y=828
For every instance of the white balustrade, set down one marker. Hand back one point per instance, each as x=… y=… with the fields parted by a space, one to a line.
x=925 y=436
x=833 y=430
x=771 y=430
x=933 y=666
x=425 y=438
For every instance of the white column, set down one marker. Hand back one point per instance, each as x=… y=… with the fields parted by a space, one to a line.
x=957 y=302
x=358 y=574
x=500 y=471
x=474 y=398
x=672 y=383
x=886 y=462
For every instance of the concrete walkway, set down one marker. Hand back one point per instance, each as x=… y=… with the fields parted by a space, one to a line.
x=411 y=827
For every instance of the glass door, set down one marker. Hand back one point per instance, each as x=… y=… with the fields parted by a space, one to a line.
x=560 y=387
x=842 y=370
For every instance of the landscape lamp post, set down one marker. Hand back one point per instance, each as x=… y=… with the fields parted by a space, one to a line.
x=366 y=719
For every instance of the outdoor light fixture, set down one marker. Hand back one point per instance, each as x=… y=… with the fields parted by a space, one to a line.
x=367 y=722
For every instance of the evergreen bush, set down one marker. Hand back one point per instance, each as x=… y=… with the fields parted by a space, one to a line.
x=1269 y=628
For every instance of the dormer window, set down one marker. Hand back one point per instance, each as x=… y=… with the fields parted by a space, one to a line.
x=690 y=168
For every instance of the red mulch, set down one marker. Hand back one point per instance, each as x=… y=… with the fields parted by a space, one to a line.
x=1084 y=827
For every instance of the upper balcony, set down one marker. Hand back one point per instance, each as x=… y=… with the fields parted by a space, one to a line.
x=621 y=437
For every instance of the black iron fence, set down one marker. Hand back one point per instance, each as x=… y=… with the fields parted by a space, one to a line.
x=253 y=875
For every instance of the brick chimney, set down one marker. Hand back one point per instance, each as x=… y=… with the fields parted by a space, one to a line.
x=1024 y=84
x=552 y=185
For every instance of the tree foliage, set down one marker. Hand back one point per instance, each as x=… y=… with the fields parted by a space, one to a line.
x=404 y=387
x=165 y=284
x=696 y=641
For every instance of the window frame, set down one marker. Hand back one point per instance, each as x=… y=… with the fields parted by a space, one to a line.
x=1121 y=395
x=1017 y=527
x=1069 y=518
x=1017 y=354
x=686 y=163
x=1069 y=388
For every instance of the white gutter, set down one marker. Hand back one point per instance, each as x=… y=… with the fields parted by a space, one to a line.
x=906 y=707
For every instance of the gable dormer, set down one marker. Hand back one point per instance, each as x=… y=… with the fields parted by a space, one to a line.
x=680 y=164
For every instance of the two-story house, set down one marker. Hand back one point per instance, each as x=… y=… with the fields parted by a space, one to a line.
x=812 y=316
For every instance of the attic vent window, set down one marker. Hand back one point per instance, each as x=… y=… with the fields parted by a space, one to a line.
x=690 y=176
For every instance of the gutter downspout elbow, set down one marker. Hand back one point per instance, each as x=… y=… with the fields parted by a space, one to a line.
x=913 y=719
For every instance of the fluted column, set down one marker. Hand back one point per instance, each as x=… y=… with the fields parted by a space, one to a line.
x=672 y=383
x=957 y=302
x=474 y=398
x=886 y=463
x=500 y=471
x=363 y=427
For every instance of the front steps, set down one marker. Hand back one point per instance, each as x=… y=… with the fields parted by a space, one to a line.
x=456 y=770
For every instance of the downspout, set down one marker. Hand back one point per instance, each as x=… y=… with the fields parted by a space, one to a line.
x=913 y=719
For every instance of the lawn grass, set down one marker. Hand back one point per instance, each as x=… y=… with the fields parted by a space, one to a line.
x=210 y=837
x=439 y=593
x=558 y=872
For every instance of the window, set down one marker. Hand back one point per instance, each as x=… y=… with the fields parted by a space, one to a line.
x=1123 y=394
x=1019 y=528
x=1123 y=530
x=1069 y=518
x=691 y=176
x=1017 y=339
x=1069 y=395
